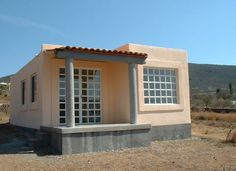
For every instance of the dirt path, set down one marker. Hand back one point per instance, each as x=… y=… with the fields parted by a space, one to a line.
x=192 y=154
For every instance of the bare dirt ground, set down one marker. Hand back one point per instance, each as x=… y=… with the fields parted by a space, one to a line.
x=205 y=151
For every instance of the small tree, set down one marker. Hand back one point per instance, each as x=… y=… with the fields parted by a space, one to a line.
x=231 y=91
x=218 y=93
x=207 y=100
x=222 y=94
x=223 y=103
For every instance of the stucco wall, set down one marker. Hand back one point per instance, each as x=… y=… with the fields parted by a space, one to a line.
x=164 y=58
x=114 y=89
x=118 y=81
x=29 y=114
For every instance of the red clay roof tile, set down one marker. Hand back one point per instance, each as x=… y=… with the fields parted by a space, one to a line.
x=101 y=51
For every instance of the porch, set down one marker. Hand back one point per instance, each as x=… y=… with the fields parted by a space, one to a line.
x=79 y=134
x=84 y=87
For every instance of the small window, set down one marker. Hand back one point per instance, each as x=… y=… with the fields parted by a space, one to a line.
x=23 y=92
x=159 y=86
x=34 y=88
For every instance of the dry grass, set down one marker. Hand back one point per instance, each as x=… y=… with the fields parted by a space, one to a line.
x=4 y=118
x=231 y=137
x=4 y=99
x=229 y=117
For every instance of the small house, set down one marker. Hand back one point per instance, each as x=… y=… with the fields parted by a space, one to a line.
x=97 y=99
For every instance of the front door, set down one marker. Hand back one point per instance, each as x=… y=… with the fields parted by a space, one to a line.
x=87 y=90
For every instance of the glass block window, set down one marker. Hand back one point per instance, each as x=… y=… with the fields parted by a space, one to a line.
x=90 y=96
x=159 y=86
x=87 y=92
x=62 y=96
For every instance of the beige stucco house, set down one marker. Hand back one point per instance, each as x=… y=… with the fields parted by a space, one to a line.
x=97 y=99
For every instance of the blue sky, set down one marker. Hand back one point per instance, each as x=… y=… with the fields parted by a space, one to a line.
x=205 y=28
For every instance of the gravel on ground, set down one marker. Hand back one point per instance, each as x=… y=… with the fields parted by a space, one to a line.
x=204 y=151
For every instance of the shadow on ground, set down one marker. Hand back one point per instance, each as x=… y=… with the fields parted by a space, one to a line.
x=15 y=140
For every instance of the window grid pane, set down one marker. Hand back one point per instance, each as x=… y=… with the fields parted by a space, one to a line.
x=159 y=86
x=86 y=82
x=62 y=98
x=90 y=96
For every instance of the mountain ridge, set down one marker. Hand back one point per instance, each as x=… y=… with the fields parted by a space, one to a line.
x=6 y=79
x=209 y=77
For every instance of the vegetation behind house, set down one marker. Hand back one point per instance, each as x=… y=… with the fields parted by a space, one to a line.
x=212 y=86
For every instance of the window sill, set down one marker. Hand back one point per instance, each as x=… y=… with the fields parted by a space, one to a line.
x=161 y=107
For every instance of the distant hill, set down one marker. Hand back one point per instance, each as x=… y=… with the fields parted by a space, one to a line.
x=5 y=79
x=207 y=78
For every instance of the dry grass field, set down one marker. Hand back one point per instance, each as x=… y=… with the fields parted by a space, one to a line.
x=228 y=117
x=4 y=118
x=206 y=150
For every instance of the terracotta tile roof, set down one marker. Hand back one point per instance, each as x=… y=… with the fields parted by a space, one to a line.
x=101 y=51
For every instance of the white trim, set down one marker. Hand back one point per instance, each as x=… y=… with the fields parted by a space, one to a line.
x=157 y=77
x=180 y=92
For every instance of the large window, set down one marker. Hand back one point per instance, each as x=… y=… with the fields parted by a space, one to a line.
x=159 y=86
x=33 y=88
x=87 y=93
x=23 y=92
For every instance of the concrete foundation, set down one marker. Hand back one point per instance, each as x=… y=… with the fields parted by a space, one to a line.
x=93 y=138
x=106 y=137
x=171 y=132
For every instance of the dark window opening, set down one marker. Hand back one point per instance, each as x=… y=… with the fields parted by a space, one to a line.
x=23 y=92
x=33 y=88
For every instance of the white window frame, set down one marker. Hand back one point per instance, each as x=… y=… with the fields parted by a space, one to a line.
x=160 y=86
x=181 y=88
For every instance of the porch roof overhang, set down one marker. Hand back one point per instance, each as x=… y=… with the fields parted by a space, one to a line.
x=100 y=55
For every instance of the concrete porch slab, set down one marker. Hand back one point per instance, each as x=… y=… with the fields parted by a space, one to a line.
x=103 y=137
x=96 y=128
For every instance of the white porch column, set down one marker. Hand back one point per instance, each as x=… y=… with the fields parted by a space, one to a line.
x=133 y=93
x=70 y=116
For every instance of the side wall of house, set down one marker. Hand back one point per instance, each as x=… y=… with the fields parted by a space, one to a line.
x=30 y=114
x=169 y=121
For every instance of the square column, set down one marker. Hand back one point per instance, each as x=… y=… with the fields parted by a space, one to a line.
x=70 y=115
x=133 y=93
